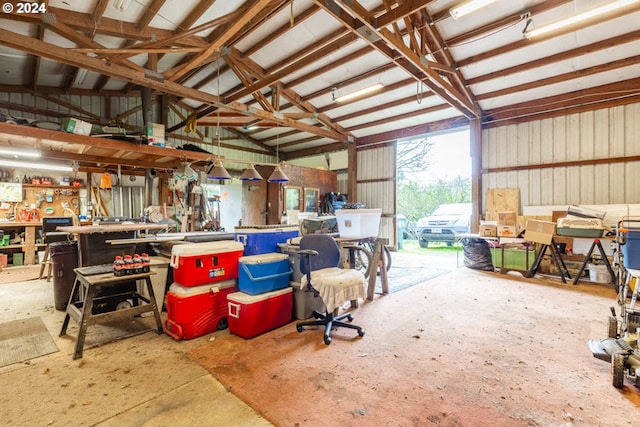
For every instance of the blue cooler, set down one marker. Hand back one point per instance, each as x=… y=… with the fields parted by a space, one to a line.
x=631 y=249
x=263 y=273
x=264 y=239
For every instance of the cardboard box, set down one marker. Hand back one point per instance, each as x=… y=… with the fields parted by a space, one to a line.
x=507 y=231
x=488 y=230
x=540 y=231
x=77 y=126
x=507 y=218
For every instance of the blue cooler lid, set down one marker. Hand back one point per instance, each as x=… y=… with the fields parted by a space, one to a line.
x=264 y=258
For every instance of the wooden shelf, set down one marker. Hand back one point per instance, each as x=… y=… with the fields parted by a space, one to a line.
x=50 y=186
x=20 y=246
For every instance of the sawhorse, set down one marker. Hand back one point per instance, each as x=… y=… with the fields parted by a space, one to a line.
x=596 y=244
x=555 y=256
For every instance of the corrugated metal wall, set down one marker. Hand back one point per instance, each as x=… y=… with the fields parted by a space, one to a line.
x=592 y=136
x=376 y=185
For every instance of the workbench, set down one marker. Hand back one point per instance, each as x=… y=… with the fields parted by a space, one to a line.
x=378 y=264
x=28 y=245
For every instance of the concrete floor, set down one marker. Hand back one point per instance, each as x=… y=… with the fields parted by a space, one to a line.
x=148 y=379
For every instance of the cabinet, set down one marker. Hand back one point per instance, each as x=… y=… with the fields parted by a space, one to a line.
x=28 y=245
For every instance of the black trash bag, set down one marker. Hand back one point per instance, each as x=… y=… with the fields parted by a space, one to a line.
x=477 y=254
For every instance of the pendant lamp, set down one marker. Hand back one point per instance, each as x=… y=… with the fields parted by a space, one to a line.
x=278 y=175
x=250 y=174
x=217 y=171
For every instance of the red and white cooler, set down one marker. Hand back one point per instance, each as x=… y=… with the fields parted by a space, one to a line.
x=197 y=310
x=197 y=264
x=251 y=315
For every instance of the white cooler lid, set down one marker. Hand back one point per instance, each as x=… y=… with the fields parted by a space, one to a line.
x=242 y=298
x=205 y=248
x=186 y=291
x=264 y=258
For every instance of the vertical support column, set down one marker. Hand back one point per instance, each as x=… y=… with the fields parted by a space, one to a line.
x=475 y=141
x=352 y=173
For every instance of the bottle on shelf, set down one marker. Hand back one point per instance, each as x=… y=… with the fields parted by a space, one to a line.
x=146 y=263
x=137 y=264
x=128 y=265
x=118 y=266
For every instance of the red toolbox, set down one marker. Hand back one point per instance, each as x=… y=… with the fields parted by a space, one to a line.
x=198 y=310
x=197 y=264
x=251 y=315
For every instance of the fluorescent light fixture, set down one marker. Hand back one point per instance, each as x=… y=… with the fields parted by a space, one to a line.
x=468 y=7
x=27 y=165
x=591 y=13
x=121 y=5
x=19 y=152
x=359 y=93
x=81 y=76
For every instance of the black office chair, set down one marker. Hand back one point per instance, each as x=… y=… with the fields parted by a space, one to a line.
x=50 y=235
x=319 y=263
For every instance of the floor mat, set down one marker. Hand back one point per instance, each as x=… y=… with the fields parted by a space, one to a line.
x=400 y=278
x=24 y=339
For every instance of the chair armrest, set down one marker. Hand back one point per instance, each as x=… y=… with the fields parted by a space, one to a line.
x=308 y=252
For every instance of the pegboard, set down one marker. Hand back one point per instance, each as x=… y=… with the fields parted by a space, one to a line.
x=39 y=201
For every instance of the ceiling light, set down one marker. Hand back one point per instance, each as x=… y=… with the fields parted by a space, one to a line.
x=592 y=13
x=121 y=5
x=217 y=171
x=27 y=165
x=250 y=174
x=17 y=152
x=468 y=7
x=359 y=93
x=278 y=175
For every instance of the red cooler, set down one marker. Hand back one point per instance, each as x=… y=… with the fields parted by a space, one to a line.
x=198 y=310
x=197 y=264
x=251 y=315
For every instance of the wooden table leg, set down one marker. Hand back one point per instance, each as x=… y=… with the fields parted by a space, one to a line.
x=373 y=269
x=152 y=301
x=87 y=308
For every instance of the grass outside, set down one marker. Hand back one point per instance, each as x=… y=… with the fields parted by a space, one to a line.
x=434 y=248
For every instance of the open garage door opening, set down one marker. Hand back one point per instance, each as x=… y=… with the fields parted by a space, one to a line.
x=433 y=189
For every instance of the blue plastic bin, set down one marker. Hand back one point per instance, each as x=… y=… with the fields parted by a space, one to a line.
x=631 y=250
x=258 y=240
x=262 y=273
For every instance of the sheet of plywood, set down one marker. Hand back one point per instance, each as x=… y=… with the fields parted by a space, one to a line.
x=500 y=200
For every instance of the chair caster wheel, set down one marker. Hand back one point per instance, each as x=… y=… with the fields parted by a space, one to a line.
x=350 y=318
x=327 y=340
x=361 y=332
x=299 y=328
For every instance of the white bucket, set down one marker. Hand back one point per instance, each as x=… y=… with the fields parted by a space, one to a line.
x=599 y=273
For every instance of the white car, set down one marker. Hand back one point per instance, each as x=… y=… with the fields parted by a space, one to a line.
x=444 y=223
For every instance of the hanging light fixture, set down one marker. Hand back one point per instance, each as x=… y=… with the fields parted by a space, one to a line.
x=278 y=175
x=217 y=170
x=250 y=174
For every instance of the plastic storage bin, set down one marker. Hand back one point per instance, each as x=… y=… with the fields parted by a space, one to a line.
x=197 y=264
x=304 y=303
x=358 y=223
x=264 y=239
x=631 y=249
x=294 y=259
x=251 y=315
x=199 y=310
x=263 y=273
